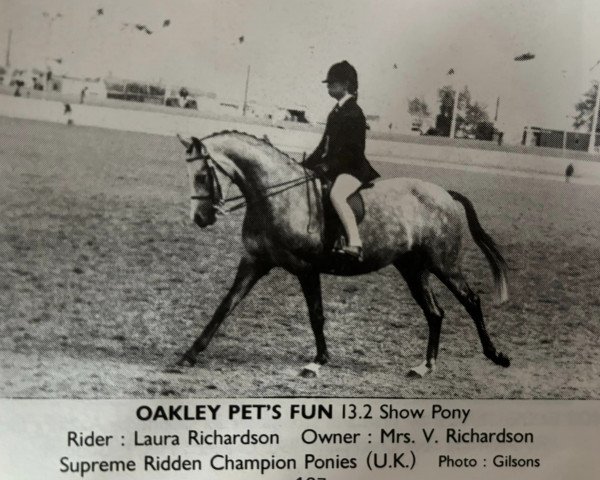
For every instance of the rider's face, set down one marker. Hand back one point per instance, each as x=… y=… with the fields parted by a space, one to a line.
x=337 y=89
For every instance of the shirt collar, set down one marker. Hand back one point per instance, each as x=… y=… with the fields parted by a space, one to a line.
x=344 y=99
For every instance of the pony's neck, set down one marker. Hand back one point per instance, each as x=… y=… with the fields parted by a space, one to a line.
x=254 y=164
x=266 y=177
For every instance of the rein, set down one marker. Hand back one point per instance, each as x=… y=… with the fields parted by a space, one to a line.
x=216 y=192
x=289 y=184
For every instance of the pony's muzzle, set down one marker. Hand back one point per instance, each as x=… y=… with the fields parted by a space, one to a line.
x=198 y=220
x=202 y=221
x=201 y=214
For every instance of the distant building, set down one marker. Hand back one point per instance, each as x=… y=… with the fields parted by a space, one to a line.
x=277 y=114
x=420 y=125
x=296 y=115
x=546 y=137
x=73 y=86
x=154 y=92
x=373 y=122
x=192 y=98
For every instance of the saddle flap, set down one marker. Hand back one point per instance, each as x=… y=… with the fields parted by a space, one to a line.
x=355 y=201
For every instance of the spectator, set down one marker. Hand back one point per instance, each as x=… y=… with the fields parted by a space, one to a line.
x=183 y=95
x=68 y=112
x=570 y=170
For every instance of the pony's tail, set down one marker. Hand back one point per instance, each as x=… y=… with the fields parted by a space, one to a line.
x=487 y=246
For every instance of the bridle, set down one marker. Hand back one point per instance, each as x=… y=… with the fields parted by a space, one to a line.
x=215 y=191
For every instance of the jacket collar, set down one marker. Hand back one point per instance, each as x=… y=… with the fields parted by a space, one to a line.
x=344 y=99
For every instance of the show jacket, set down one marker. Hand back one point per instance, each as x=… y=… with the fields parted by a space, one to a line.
x=342 y=148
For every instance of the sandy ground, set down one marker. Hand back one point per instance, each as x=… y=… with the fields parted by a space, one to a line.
x=105 y=281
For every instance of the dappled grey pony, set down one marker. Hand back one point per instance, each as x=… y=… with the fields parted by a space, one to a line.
x=413 y=225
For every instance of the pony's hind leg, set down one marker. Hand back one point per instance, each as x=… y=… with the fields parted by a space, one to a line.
x=417 y=279
x=457 y=284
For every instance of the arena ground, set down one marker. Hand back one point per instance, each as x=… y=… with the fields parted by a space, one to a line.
x=105 y=281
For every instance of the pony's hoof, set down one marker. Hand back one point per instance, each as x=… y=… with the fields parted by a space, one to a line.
x=420 y=371
x=305 y=373
x=186 y=361
x=413 y=373
x=310 y=371
x=498 y=359
x=503 y=360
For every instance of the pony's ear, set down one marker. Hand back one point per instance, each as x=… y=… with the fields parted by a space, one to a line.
x=188 y=145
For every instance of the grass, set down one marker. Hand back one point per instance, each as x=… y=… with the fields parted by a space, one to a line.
x=105 y=281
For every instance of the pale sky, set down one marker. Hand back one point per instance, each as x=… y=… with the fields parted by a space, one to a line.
x=290 y=44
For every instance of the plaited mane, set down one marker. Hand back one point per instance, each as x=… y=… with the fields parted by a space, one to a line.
x=249 y=135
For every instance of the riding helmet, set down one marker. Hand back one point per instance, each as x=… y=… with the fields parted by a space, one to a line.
x=343 y=72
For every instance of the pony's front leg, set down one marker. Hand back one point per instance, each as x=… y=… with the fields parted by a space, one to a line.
x=311 y=287
x=249 y=272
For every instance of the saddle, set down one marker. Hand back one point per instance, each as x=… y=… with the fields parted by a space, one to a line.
x=335 y=235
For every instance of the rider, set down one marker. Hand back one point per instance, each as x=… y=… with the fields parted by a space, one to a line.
x=340 y=156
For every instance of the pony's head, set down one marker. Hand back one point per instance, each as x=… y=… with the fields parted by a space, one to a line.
x=231 y=157
x=205 y=187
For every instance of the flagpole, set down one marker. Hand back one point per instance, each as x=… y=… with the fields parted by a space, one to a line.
x=592 y=144
x=245 y=106
x=454 y=113
x=49 y=51
x=8 y=49
x=497 y=108
x=451 y=72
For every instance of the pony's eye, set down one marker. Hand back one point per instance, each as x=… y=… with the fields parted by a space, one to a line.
x=200 y=178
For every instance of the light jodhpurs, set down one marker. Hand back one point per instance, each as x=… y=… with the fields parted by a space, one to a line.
x=344 y=186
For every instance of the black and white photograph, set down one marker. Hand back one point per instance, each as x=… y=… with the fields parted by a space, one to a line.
x=258 y=199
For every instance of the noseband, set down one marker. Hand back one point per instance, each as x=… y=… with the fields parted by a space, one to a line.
x=215 y=192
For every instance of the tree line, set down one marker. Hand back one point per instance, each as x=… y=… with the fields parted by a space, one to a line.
x=472 y=119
